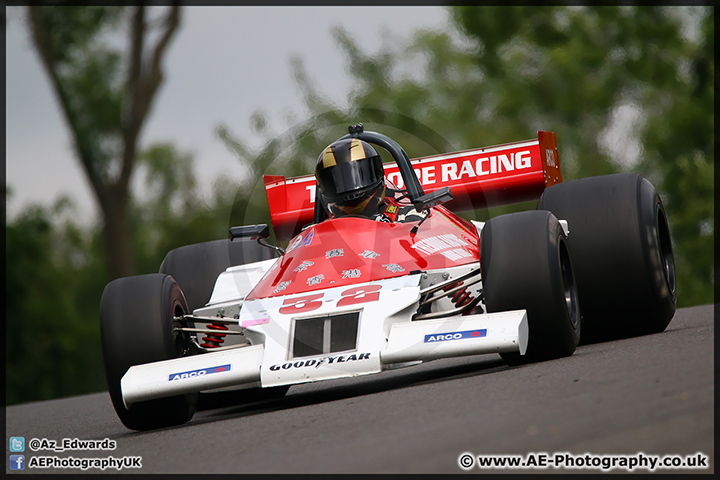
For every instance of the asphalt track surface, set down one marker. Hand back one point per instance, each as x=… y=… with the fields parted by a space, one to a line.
x=651 y=394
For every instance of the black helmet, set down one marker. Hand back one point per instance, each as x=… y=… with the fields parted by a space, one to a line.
x=350 y=178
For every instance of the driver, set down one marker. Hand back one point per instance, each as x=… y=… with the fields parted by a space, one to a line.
x=351 y=180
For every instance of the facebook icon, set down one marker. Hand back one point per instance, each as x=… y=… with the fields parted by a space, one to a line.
x=17 y=462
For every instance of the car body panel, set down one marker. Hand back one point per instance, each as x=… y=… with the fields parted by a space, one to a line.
x=346 y=251
x=479 y=178
x=341 y=300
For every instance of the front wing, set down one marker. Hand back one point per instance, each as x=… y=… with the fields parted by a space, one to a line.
x=378 y=314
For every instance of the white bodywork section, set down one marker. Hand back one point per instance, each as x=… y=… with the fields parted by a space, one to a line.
x=395 y=294
x=155 y=380
x=386 y=336
x=235 y=283
x=467 y=335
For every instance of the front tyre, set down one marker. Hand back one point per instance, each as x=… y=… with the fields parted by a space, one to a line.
x=526 y=265
x=196 y=269
x=136 y=327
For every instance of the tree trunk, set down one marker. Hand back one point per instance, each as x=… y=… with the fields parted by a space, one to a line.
x=144 y=78
x=116 y=234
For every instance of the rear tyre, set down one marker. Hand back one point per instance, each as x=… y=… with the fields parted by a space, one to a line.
x=621 y=251
x=196 y=267
x=136 y=327
x=526 y=265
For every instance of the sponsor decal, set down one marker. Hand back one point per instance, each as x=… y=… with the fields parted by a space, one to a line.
x=448 y=245
x=354 y=273
x=337 y=252
x=369 y=254
x=394 y=267
x=486 y=166
x=282 y=286
x=294 y=243
x=322 y=361
x=456 y=254
x=255 y=321
x=391 y=209
x=471 y=166
x=198 y=373
x=303 y=266
x=315 y=280
x=301 y=241
x=550 y=157
x=444 y=337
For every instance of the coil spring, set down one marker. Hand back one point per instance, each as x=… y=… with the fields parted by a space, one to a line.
x=462 y=297
x=214 y=340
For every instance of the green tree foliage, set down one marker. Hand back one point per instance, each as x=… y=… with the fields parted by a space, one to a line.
x=575 y=68
x=105 y=95
x=57 y=269
x=678 y=137
x=56 y=272
x=623 y=88
x=173 y=211
x=500 y=75
x=54 y=278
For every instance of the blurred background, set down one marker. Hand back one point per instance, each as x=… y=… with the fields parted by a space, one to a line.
x=134 y=130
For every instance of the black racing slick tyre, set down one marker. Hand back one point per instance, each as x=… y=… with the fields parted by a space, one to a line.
x=196 y=267
x=621 y=251
x=136 y=327
x=525 y=265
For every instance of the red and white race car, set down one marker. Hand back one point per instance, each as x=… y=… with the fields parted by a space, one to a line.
x=353 y=296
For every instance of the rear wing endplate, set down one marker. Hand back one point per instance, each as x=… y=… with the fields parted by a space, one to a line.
x=479 y=178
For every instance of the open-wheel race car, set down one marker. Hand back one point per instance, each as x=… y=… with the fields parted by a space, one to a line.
x=356 y=294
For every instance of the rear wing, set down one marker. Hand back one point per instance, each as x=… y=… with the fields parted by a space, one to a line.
x=479 y=178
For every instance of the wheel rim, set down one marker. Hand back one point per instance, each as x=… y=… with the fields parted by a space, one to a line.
x=666 y=253
x=181 y=340
x=569 y=287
